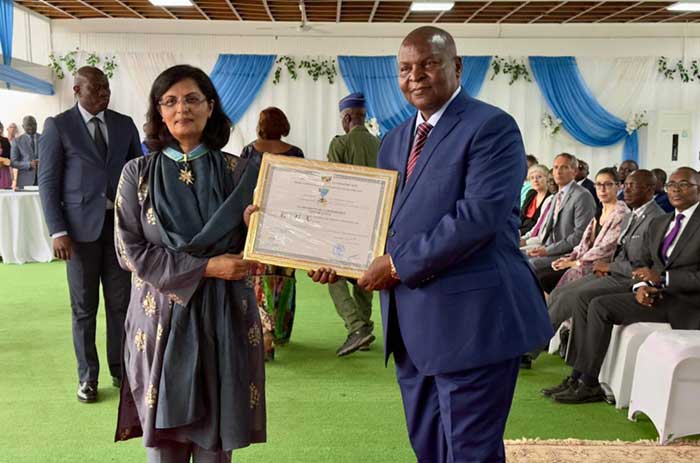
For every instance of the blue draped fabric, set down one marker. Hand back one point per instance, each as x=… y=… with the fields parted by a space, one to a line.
x=377 y=78
x=238 y=79
x=12 y=77
x=474 y=69
x=23 y=81
x=562 y=85
x=6 y=25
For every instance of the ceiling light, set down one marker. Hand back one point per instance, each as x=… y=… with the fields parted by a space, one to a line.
x=171 y=2
x=684 y=6
x=432 y=6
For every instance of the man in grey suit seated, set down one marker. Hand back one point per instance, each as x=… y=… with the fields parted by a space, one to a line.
x=668 y=291
x=24 y=154
x=572 y=210
x=613 y=276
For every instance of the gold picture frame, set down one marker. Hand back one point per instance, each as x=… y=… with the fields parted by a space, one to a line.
x=306 y=221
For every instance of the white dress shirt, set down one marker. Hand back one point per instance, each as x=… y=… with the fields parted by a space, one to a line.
x=433 y=120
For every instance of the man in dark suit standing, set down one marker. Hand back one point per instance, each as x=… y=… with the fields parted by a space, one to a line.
x=82 y=154
x=460 y=304
x=668 y=291
x=24 y=154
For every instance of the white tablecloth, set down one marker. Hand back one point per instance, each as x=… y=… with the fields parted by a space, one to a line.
x=23 y=233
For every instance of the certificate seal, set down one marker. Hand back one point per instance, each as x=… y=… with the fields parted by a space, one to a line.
x=339 y=250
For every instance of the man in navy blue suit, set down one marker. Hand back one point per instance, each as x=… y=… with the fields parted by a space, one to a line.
x=82 y=154
x=460 y=303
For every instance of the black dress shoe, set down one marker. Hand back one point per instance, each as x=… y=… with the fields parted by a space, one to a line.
x=580 y=395
x=355 y=340
x=610 y=399
x=87 y=392
x=561 y=387
x=116 y=381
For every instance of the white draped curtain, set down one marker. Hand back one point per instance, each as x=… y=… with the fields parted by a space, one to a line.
x=624 y=86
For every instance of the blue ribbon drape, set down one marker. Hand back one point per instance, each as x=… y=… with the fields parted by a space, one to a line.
x=562 y=85
x=6 y=25
x=12 y=77
x=238 y=79
x=377 y=78
x=24 y=81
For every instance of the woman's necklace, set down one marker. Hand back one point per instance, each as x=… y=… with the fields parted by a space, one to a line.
x=186 y=175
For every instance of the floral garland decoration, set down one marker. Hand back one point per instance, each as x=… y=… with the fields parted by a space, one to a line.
x=373 y=126
x=69 y=60
x=636 y=121
x=551 y=124
x=510 y=66
x=315 y=68
x=689 y=73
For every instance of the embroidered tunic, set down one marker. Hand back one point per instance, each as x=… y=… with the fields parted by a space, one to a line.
x=193 y=357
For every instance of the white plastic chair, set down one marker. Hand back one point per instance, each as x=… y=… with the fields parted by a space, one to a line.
x=617 y=372
x=667 y=383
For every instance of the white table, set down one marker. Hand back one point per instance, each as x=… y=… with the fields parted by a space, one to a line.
x=23 y=233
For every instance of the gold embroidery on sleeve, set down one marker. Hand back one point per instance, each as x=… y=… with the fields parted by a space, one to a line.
x=150 y=216
x=231 y=162
x=149 y=305
x=254 y=335
x=254 y=396
x=138 y=282
x=142 y=191
x=140 y=340
x=151 y=396
x=159 y=332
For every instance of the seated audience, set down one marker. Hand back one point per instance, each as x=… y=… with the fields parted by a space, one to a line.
x=25 y=154
x=668 y=292
x=612 y=276
x=532 y=207
x=275 y=287
x=626 y=168
x=531 y=161
x=572 y=210
x=5 y=173
x=583 y=180
x=599 y=239
x=660 y=196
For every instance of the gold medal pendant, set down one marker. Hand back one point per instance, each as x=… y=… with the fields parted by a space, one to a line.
x=186 y=174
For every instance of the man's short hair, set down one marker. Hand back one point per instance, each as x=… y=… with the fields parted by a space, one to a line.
x=573 y=162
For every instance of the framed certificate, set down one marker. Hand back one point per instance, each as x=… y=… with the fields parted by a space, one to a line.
x=319 y=214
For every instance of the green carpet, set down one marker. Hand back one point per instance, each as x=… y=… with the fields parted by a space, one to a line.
x=320 y=408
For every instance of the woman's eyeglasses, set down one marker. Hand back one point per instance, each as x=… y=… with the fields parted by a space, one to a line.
x=606 y=185
x=189 y=101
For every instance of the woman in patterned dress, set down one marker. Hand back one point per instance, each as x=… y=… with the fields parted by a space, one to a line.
x=193 y=358
x=275 y=287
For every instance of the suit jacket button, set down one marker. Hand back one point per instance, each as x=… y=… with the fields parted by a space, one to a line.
x=103 y=195
x=391 y=233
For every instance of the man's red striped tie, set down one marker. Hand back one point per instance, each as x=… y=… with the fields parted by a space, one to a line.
x=418 y=143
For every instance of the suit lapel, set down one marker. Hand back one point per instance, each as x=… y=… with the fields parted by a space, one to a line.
x=111 y=129
x=443 y=128
x=690 y=229
x=406 y=143
x=567 y=198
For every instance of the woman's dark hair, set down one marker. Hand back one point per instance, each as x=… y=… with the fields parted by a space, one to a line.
x=273 y=124
x=611 y=171
x=216 y=132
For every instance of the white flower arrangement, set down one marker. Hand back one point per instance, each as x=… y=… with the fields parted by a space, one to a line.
x=373 y=126
x=551 y=124
x=636 y=122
